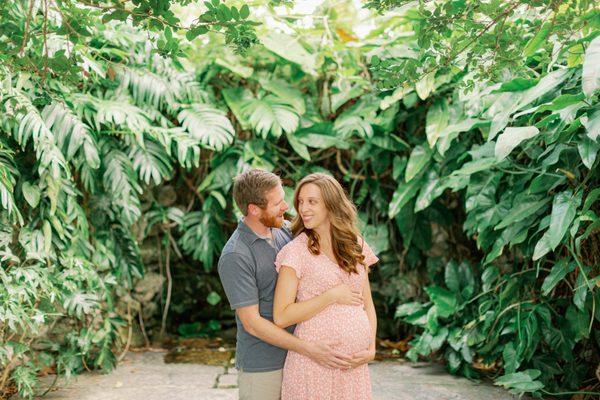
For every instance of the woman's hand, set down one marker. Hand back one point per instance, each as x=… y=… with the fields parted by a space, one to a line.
x=363 y=357
x=342 y=294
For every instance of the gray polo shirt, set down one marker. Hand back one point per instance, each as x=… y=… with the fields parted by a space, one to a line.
x=247 y=271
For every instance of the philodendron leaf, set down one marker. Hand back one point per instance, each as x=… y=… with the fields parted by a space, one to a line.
x=557 y=273
x=521 y=211
x=425 y=85
x=445 y=301
x=511 y=138
x=588 y=150
x=289 y=48
x=436 y=120
x=564 y=208
x=521 y=381
x=419 y=157
x=591 y=121
x=403 y=194
x=542 y=247
x=538 y=40
x=590 y=77
x=31 y=194
x=299 y=147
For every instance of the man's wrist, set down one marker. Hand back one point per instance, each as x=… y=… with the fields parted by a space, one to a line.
x=303 y=348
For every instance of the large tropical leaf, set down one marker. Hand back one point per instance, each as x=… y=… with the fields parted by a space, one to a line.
x=271 y=115
x=72 y=135
x=120 y=180
x=290 y=49
x=348 y=124
x=151 y=162
x=176 y=141
x=117 y=112
x=207 y=124
x=8 y=175
x=590 y=79
x=203 y=236
x=147 y=87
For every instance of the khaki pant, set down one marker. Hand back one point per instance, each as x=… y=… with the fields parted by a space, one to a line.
x=260 y=385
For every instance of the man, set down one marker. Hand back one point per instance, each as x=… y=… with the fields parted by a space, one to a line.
x=247 y=271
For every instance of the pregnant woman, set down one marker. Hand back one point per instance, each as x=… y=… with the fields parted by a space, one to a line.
x=323 y=287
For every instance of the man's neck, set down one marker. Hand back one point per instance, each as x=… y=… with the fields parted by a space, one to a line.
x=257 y=227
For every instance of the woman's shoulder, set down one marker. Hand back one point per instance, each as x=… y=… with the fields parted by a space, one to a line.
x=292 y=254
x=299 y=241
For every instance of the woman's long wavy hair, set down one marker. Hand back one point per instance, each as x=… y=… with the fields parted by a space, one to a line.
x=342 y=216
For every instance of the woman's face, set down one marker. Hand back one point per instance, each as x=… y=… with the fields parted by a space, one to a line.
x=311 y=206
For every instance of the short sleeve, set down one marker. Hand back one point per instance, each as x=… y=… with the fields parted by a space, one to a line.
x=370 y=257
x=290 y=257
x=238 y=280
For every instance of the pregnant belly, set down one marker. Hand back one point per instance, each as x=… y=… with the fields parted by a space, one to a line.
x=347 y=326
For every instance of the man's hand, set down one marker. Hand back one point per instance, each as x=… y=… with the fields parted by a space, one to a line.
x=324 y=354
x=362 y=357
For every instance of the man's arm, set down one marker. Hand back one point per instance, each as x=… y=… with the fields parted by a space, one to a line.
x=239 y=282
x=320 y=352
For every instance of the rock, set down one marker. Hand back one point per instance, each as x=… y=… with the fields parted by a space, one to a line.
x=149 y=251
x=148 y=287
x=227 y=381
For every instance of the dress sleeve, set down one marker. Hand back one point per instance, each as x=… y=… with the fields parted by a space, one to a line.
x=289 y=256
x=370 y=257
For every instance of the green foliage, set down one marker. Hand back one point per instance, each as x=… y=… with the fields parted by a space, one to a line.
x=487 y=39
x=480 y=191
x=50 y=38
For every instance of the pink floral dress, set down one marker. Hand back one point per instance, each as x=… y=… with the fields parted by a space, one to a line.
x=304 y=379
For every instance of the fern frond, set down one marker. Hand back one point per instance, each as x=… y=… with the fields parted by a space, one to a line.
x=271 y=115
x=151 y=162
x=346 y=125
x=207 y=124
x=202 y=238
x=120 y=180
x=31 y=125
x=109 y=112
x=177 y=141
x=71 y=133
x=8 y=178
x=147 y=88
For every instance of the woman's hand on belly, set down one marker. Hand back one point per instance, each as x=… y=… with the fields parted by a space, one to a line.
x=363 y=357
x=342 y=294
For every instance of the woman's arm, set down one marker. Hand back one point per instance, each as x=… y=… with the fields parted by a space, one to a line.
x=365 y=356
x=287 y=312
x=370 y=309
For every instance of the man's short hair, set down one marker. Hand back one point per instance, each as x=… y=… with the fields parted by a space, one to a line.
x=251 y=187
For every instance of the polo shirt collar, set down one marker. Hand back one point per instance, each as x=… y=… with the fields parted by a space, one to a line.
x=249 y=233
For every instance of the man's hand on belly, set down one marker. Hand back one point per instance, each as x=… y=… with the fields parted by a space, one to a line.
x=323 y=353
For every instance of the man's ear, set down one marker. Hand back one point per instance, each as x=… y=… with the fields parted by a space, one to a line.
x=253 y=209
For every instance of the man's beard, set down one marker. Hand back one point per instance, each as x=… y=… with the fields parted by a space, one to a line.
x=271 y=221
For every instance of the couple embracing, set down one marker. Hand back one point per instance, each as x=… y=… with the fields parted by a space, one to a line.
x=305 y=317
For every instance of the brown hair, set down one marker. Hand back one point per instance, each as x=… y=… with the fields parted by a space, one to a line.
x=342 y=216
x=251 y=187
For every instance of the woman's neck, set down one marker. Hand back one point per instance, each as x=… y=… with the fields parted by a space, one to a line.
x=324 y=232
